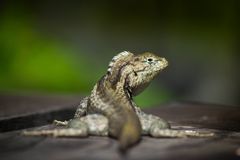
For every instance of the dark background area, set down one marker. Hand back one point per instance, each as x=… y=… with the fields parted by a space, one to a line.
x=64 y=47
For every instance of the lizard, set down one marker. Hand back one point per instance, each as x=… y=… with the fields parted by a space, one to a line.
x=110 y=109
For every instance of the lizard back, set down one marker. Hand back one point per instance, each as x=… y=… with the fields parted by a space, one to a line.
x=127 y=76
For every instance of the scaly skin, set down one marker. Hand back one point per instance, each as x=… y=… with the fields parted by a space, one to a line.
x=110 y=109
x=112 y=96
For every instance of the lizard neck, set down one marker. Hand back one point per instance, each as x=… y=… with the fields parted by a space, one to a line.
x=119 y=82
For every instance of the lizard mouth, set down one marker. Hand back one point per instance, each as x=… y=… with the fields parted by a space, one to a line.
x=163 y=63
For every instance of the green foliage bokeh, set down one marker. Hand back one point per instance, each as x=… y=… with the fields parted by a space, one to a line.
x=34 y=62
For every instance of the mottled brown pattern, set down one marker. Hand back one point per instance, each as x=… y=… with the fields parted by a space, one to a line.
x=110 y=109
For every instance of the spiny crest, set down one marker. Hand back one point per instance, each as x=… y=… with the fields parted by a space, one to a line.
x=118 y=58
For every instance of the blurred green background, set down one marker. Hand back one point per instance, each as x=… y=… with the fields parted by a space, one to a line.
x=63 y=47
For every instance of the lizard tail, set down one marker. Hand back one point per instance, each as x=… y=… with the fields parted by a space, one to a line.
x=124 y=123
x=128 y=130
x=130 y=133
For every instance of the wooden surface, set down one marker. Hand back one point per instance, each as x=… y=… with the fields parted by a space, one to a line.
x=21 y=112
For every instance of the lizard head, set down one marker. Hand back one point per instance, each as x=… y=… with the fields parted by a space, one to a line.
x=151 y=62
x=146 y=66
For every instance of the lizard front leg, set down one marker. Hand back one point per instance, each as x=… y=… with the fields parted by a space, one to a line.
x=81 y=125
x=81 y=111
x=82 y=108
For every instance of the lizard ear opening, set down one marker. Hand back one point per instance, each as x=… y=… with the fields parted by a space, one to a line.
x=135 y=73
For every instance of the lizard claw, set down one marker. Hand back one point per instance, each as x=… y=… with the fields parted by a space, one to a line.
x=60 y=123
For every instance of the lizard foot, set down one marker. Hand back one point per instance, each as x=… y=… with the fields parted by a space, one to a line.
x=156 y=131
x=68 y=132
x=81 y=130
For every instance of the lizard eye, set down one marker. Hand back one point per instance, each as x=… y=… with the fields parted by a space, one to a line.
x=149 y=59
